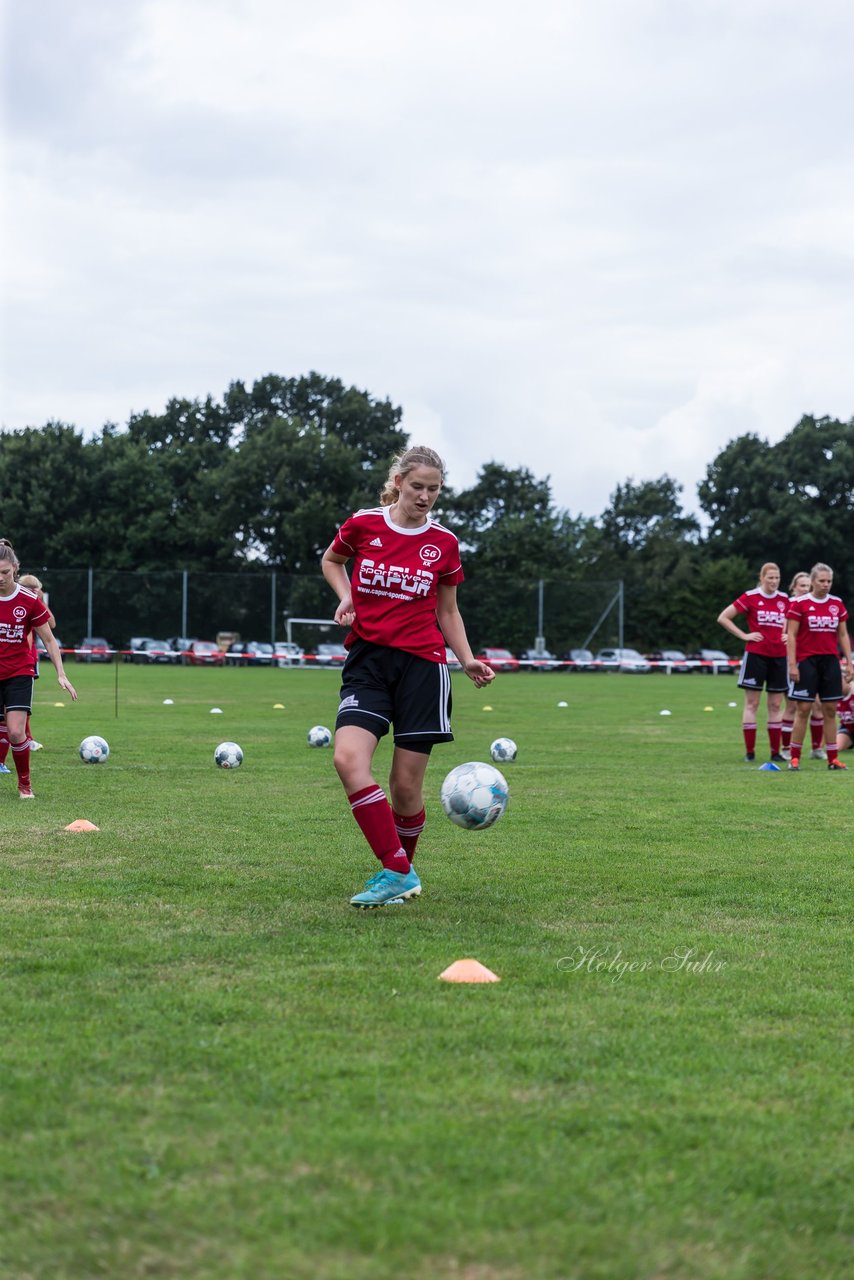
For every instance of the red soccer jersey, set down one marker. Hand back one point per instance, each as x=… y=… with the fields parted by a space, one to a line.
x=765 y=613
x=20 y=612
x=395 y=579
x=819 y=624
x=845 y=707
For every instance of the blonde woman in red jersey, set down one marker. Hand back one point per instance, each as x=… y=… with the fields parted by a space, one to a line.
x=817 y=631
x=800 y=586
x=764 y=661
x=31 y=582
x=21 y=613
x=400 y=604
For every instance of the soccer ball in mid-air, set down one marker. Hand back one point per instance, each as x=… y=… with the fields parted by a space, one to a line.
x=319 y=736
x=503 y=749
x=474 y=795
x=228 y=755
x=94 y=750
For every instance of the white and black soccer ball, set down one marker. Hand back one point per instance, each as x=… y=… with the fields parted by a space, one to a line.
x=503 y=750
x=228 y=755
x=94 y=750
x=319 y=736
x=474 y=795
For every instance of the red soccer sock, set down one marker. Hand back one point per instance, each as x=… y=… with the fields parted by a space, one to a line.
x=409 y=827
x=4 y=743
x=832 y=753
x=816 y=732
x=21 y=756
x=372 y=811
x=774 y=738
x=749 y=731
x=796 y=749
x=786 y=726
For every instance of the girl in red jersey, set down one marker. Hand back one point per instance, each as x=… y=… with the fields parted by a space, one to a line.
x=799 y=586
x=845 y=708
x=401 y=607
x=764 y=661
x=21 y=613
x=817 y=631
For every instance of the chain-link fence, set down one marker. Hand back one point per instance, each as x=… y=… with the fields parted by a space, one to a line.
x=118 y=605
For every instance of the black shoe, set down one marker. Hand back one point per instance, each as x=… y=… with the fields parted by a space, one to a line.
x=777 y=758
x=750 y=756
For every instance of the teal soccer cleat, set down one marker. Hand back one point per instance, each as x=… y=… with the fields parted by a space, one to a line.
x=386 y=887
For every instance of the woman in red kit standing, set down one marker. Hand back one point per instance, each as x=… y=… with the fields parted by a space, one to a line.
x=764 y=663
x=401 y=607
x=21 y=614
x=817 y=633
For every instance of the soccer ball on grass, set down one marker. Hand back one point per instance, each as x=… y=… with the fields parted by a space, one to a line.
x=474 y=795
x=319 y=736
x=94 y=750
x=228 y=755
x=503 y=749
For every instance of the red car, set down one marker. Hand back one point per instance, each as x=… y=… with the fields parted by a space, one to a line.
x=203 y=653
x=499 y=659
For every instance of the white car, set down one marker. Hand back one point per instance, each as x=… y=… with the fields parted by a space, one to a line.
x=288 y=654
x=628 y=660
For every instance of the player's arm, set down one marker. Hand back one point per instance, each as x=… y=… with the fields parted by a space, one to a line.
x=727 y=620
x=335 y=574
x=845 y=645
x=453 y=629
x=793 y=626
x=52 y=649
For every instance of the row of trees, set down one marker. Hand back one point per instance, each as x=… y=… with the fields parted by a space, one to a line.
x=259 y=481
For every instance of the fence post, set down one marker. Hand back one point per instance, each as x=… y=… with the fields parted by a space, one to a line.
x=273 y=609
x=620 y=614
x=89 y=601
x=184 y=603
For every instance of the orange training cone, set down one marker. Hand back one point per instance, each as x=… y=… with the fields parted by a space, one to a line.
x=82 y=824
x=468 y=971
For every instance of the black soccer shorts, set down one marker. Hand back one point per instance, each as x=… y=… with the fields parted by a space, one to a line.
x=760 y=672
x=819 y=674
x=382 y=687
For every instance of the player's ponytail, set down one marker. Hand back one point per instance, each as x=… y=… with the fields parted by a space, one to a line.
x=419 y=455
x=7 y=553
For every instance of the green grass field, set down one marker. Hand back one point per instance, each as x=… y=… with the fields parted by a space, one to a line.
x=214 y=1067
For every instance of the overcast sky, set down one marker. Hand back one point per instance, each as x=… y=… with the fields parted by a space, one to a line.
x=596 y=238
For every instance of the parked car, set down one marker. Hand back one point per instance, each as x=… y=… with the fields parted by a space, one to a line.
x=627 y=660
x=249 y=653
x=202 y=653
x=180 y=643
x=94 y=649
x=330 y=655
x=134 y=645
x=539 y=660
x=579 y=660
x=288 y=654
x=499 y=659
x=713 y=662
x=155 y=651
x=673 y=661
x=452 y=660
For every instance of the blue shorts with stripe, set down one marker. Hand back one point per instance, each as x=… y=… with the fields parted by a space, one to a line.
x=382 y=687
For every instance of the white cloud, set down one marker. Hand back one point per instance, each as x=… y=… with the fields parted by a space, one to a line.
x=597 y=241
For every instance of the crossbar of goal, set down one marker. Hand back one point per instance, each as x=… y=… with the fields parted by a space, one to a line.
x=316 y=622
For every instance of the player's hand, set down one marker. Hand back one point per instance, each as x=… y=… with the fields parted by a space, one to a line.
x=754 y=637
x=66 y=684
x=345 y=614
x=479 y=673
x=794 y=672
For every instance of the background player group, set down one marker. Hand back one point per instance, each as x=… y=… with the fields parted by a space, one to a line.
x=400 y=603
x=23 y=616
x=793 y=646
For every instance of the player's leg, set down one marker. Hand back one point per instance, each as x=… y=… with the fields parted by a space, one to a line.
x=803 y=693
x=844 y=740
x=774 y=705
x=749 y=720
x=786 y=726
x=817 y=735
x=16 y=719
x=829 y=692
x=406 y=788
x=4 y=740
x=353 y=757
